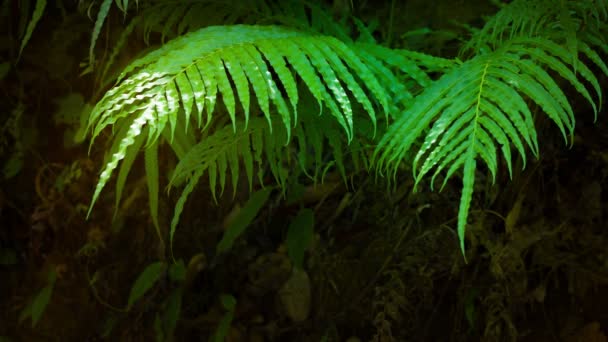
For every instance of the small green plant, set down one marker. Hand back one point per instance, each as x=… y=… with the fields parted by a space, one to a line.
x=243 y=219
x=299 y=236
x=37 y=306
x=169 y=310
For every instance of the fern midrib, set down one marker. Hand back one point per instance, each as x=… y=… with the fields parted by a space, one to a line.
x=478 y=105
x=469 y=168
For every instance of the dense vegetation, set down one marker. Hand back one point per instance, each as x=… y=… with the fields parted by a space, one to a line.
x=273 y=167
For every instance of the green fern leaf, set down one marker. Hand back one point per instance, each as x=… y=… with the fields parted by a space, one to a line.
x=198 y=93
x=223 y=150
x=221 y=143
x=481 y=104
x=186 y=95
x=101 y=17
x=233 y=65
x=134 y=130
x=38 y=11
x=277 y=61
x=345 y=116
x=189 y=74
x=258 y=83
x=273 y=92
x=225 y=89
x=218 y=152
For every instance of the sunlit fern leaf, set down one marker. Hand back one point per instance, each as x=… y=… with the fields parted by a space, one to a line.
x=125 y=167
x=194 y=70
x=134 y=130
x=482 y=104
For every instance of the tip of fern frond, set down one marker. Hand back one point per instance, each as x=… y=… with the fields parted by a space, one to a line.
x=288 y=136
x=375 y=131
x=89 y=211
x=595 y=113
x=463 y=250
x=90 y=144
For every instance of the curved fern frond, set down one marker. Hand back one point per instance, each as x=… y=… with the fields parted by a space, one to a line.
x=482 y=106
x=101 y=17
x=187 y=76
x=253 y=147
x=219 y=155
x=38 y=11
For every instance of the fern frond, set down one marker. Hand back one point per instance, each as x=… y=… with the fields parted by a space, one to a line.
x=101 y=17
x=125 y=166
x=252 y=147
x=480 y=106
x=38 y=11
x=222 y=150
x=188 y=75
x=561 y=21
x=246 y=142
